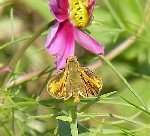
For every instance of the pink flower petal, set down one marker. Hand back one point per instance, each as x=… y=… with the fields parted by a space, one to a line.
x=51 y=35
x=58 y=42
x=61 y=60
x=59 y=9
x=91 y=8
x=88 y=42
x=68 y=48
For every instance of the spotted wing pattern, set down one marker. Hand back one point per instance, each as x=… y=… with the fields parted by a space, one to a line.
x=93 y=84
x=57 y=86
x=74 y=80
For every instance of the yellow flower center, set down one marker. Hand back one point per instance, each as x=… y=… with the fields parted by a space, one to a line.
x=79 y=14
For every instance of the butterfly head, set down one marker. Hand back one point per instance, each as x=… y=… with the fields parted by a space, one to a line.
x=72 y=59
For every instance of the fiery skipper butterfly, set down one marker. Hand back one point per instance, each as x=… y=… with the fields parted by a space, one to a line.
x=74 y=80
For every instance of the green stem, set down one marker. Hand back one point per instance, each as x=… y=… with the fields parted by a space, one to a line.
x=12 y=25
x=73 y=124
x=13 y=121
x=22 y=50
x=72 y=107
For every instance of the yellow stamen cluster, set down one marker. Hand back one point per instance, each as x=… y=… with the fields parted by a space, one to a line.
x=79 y=14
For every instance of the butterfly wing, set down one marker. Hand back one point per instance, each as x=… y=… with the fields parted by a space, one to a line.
x=93 y=84
x=57 y=86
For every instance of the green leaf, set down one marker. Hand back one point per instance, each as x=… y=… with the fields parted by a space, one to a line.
x=64 y=118
x=130 y=120
x=114 y=14
x=90 y=103
x=136 y=106
x=41 y=116
x=82 y=130
x=63 y=128
x=85 y=134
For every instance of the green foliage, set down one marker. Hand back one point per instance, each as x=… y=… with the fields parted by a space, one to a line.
x=123 y=106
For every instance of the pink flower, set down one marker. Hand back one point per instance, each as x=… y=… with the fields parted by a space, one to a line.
x=71 y=16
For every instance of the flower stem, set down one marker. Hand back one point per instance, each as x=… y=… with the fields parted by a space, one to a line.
x=73 y=125
x=72 y=107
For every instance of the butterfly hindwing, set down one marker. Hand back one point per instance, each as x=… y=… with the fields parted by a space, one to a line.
x=74 y=80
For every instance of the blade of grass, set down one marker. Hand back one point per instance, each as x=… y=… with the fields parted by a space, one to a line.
x=112 y=131
x=129 y=120
x=12 y=26
x=13 y=121
x=41 y=116
x=114 y=14
x=12 y=94
x=121 y=118
x=89 y=116
x=149 y=56
x=105 y=115
x=18 y=40
x=97 y=130
x=124 y=80
x=114 y=103
x=85 y=107
x=9 y=132
x=136 y=106
x=46 y=81
x=13 y=42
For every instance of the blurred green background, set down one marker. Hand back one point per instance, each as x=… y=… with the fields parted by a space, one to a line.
x=114 y=21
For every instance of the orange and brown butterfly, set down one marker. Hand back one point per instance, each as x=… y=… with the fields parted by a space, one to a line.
x=74 y=80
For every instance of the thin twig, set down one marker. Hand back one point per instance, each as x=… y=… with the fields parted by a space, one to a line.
x=22 y=50
x=23 y=78
x=28 y=77
x=119 y=49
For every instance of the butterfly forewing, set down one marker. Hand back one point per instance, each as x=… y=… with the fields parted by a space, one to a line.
x=93 y=84
x=74 y=80
x=57 y=86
